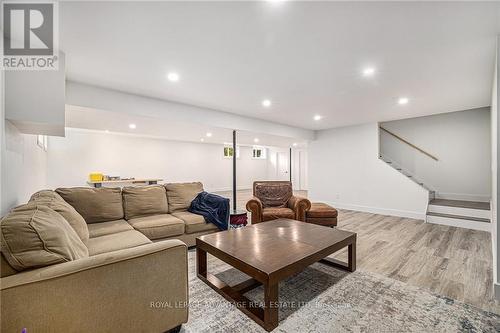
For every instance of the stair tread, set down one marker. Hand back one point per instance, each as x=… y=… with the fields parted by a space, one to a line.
x=460 y=217
x=461 y=204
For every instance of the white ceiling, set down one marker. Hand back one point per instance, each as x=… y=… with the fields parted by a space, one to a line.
x=306 y=57
x=153 y=127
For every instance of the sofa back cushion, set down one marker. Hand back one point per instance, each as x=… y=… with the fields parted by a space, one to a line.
x=54 y=201
x=94 y=204
x=273 y=193
x=144 y=201
x=36 y=236
x=45 y=194
x=180 y=195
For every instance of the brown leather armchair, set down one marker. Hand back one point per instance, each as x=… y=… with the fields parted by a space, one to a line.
x=274 y=199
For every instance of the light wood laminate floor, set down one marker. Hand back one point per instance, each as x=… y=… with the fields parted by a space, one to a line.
x=449 y=261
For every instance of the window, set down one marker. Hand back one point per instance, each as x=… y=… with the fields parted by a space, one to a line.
x=259 y=153
x=228 y=152
x=42 y=141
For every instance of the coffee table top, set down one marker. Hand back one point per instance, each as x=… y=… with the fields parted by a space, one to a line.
x=274 y=246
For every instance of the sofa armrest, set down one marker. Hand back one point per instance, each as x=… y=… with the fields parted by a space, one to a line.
x=130 y=290
x=300 y=206
x=254 y=206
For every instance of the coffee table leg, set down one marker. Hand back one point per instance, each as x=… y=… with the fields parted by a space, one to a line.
x=201 y=262
x=351 y=252
x=271 y=306
x=351 y=259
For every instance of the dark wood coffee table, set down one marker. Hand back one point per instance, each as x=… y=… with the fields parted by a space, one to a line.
x=270 y=252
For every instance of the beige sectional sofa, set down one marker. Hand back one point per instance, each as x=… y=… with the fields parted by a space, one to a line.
x=99 y=259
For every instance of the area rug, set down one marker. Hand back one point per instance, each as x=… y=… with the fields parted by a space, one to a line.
x=324 y=299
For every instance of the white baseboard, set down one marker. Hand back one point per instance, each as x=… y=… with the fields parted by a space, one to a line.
x=376 y=210
x=465 y=196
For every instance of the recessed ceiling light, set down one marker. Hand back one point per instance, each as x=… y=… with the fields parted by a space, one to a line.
x=317 y=117
x=209 y=134
x=202 y=139
x=256 y=140
x=294 y=144
x=132 y=126
x=403 y=100
x=266 y=103
x=368 y=71
x=173 y=77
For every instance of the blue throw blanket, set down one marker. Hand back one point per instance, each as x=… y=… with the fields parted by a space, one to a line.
x=214 y=208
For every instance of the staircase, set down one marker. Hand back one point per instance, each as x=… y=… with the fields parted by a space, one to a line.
x=458 y=213
x=397 y=167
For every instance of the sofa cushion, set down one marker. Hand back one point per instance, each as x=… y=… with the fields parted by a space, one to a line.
x=273 y=213
x=194 y=222
x=158 y=226
x=54 y=201
x=37 y=236
x=115 y=242
x=107 y=228
x=273 y=193
x=95 y=204
x=144 y=200
x=5 y=268
x=180 y=195
x=45 y=194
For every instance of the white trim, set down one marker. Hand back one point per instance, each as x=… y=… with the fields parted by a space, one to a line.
x=381 y=211
x=459 y=223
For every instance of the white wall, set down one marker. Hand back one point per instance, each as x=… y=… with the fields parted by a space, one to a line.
x=460 y=140
x=72 y=158
x=345 y=171
x=34 y=99
x=494 y=172
x=23 y=167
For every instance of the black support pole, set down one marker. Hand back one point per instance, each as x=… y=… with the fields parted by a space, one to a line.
x=290 y=165
x=234 y=170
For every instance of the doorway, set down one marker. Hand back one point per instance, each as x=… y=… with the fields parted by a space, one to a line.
x=282 y=169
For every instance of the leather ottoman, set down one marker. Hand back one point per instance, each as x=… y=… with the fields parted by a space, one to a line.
x=322 y=214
